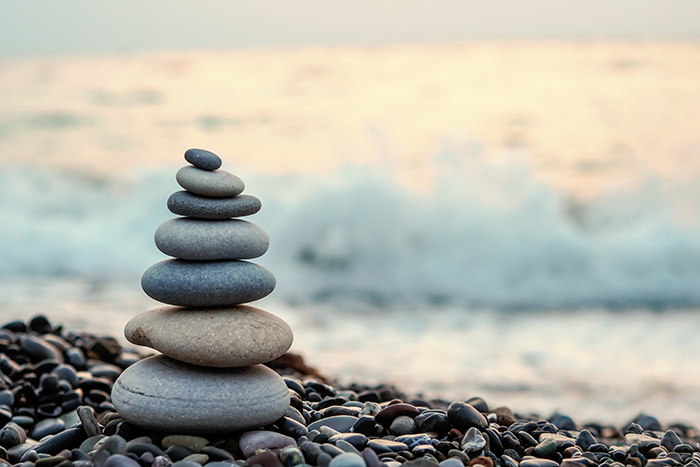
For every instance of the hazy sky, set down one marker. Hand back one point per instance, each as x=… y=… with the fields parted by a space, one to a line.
x=31 y=27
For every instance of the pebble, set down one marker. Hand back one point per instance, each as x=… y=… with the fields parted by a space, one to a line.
x=473 y=440
x=251 y=441
x=207 y=284
x=340 y=423
x=214 y=337
x=212 y=184
x=463 y=416
x=184 y=203
x=217 y=399
x=347 y=460
x=203 y=159
x=388 y=414
x=120 y=460
x=48 y=426
x=386 y=445
x=204 y=240
x=432 y=421
x=402 y=425
x=195 y=443
x=412 y=441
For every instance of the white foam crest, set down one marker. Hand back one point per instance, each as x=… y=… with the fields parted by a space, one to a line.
x=488 y=235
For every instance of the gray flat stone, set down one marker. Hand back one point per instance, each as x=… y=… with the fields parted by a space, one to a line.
x=163 y=394
x=203 y=159
x=340 y=423
x=251 y=441
x=184 y=203
x=213 y=184
x=207 y=283
x=216 y=337
x=200 y=239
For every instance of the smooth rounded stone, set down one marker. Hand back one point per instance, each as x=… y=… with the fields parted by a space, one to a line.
x=451 y=462
x=184 y=203
x=371 y=458
x=198 y=458
x=212 y=184
x=546 y=448
x=203 y=159
x=538 y=463
x=120 y=460
x=251 y=441
x=38 y=349
x=347 y=460
x=347 y=447
x=204 y=239
x=324 y=460
x=339 y=423
x=12 y=435
x=384 y=445
x=422 y=462
x=291 y=427
x=463 y=416
x=432 y=421
x=184 y=463
x=585 y=439
x=207 y=283
x=195 y=443
x=670 y=440
x=473 y=440
x=235 y=336
x=402 y=425
x=48 y=426
x=167 y=395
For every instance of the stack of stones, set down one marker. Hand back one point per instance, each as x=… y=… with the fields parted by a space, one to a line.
x=209 y=377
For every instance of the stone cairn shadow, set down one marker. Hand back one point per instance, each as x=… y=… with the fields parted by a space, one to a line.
x=210 y=376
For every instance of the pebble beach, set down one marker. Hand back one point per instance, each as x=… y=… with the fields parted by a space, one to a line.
x=56 y=410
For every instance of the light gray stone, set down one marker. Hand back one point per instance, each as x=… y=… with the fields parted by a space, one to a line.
x=163 y=394
x=213 y=184
x=203 y=159
x=188 y=204
x=217 y=337
x=200 y=239
x=207 y=283
x=339 y=423
x=347 y=460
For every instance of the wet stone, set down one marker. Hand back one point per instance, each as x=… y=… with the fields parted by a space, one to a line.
x=432 y=421
x=293 y=428
x=463 y=416
x=120 y=460
x=340 y=423
x=454 y=462
x=347 y=447
x=365 y=425
x=48 y=426
x=473 y=440
x=414 y=440
x=391 y=412
x=357 y=440
x=195 y=443
x=538 y=463
x=291 y=456
x=384 y=445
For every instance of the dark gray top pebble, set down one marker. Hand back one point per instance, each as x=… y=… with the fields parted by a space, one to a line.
x=188 y=204
x=203 y=159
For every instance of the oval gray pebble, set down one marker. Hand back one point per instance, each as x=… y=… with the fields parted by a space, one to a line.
x=214 y=337
x=213 y=184
x=199 y=239
x=208 y=400
x=207 y=283
x=347 y=460
x=188 y=204
x=203 y=159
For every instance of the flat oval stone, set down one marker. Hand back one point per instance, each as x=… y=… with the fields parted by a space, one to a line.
x=207 y=283
x=162 y=394
x=203 y=159
x=184 y=203
x=213 y=184
x=200 y=239
x=216 y=337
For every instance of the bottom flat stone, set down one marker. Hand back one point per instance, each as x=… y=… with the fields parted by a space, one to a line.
x=163 y=394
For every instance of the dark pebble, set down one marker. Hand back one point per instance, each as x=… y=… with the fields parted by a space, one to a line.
x=203 y=159
x=435 y=421
x=385 y=445
x=413 y=440
x=120 y=460
x=292 y=428
x=48 y=426
x=264 y=459
x=38 y=349
x=479 y=404
x=357 y=440
x=216 y=454
x=365 y=425
x=463 y=416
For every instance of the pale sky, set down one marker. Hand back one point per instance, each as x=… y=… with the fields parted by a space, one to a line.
x=40 y=27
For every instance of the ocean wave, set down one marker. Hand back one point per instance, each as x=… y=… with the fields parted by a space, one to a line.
x=480 y=234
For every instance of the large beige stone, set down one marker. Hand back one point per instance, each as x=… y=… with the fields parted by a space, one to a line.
x=234 y=336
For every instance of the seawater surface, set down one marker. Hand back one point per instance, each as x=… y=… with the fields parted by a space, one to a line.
x=518 y=221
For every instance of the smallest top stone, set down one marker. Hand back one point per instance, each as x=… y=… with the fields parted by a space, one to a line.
x=203 y=159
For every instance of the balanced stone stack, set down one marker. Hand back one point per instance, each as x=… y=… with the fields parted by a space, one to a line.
x=209 y=377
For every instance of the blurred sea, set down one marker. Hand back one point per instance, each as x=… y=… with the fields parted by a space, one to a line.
x=517 y=221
